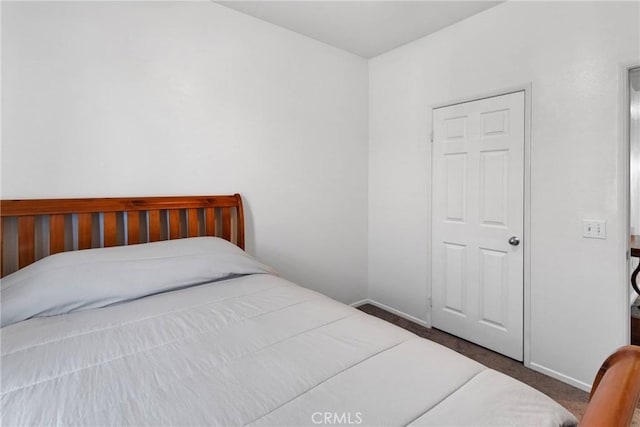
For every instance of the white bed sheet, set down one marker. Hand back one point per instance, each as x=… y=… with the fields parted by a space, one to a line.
x=254 y=350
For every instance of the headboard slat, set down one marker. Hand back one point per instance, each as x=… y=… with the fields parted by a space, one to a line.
x=174 y=224
x=154 y=226
x=226 y=223
x=1 y=247
x=56 y=234
x=133 y=227
x=192 y=223
x=210 y=221
x=85 y=230
x=110 y=230
x=141 y=219
x=26 y=240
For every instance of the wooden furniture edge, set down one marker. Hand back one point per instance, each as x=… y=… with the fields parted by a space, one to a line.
x=25 y=207
x=616 y=390
x=240 y=219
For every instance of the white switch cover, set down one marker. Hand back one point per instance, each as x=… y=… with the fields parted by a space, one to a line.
x=594 y=229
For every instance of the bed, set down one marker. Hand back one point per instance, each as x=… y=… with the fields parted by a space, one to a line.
x=163 y=319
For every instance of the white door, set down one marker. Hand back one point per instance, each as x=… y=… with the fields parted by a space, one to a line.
x=478 y=206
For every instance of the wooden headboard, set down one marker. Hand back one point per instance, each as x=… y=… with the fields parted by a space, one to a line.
x=34 y=229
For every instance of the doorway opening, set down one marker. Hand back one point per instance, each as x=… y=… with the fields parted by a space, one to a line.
x=633 y=111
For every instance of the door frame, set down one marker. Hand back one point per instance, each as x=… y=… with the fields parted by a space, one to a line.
x=527 y=89
x=624 y=194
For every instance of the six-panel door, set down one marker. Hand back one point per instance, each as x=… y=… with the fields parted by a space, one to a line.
x=478 y=187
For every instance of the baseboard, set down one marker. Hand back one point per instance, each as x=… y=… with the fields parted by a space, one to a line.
x=560 y=377
x=392 y=310
x=359 y=303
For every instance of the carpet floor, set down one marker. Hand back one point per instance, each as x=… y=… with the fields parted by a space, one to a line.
x=573 y=399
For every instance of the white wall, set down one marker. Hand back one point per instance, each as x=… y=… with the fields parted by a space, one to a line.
x=171 y=98
x=570 y=52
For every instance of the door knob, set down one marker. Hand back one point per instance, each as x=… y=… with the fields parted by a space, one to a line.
x=514 y=241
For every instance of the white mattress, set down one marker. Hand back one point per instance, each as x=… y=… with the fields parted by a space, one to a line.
x=254 y=350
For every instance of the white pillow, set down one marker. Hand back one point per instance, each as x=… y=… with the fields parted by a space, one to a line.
x=93 y=278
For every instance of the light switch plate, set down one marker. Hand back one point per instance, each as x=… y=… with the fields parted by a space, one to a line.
x=594 y=229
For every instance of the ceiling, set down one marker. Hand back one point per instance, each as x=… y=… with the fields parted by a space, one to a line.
x=366 y=28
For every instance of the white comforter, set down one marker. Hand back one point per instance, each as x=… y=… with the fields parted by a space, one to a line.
x=254 y=350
